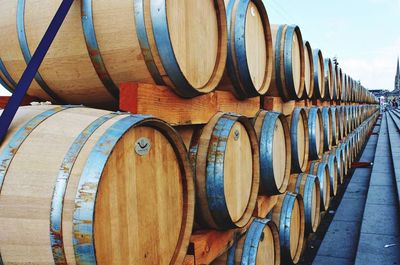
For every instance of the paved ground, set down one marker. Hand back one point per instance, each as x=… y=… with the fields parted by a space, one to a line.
x=379 y=241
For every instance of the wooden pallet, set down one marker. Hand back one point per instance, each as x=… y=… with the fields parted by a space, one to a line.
x=162 y=102
x=26 y=101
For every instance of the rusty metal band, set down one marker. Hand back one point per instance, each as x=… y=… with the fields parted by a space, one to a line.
x=94 y=50
x=60 y=187
x=83 y=219
x=20 y=136
x=23 y=43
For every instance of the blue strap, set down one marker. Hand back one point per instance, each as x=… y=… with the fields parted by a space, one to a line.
x=32 y=68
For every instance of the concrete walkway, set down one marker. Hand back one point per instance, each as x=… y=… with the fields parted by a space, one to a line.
x=379 y=241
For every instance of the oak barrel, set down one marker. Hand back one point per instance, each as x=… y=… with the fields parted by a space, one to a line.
x=288 y=214
x=105 y=43
x=330 y=159
x=316 y=133
x=308 y=187
x=250 y=58
x=71 y=179
x=335 y=125
x=225 y=157
x=329 y=82
x=260 y=245
x=288 y=71
x=299 y=139
x=321 y=170
x=275 y=152
x=319 y=71
x=308 y=71
x=339 y=153
x=328 y=125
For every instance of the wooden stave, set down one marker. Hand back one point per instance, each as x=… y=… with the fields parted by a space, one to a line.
x=265 y=133
x=313 y=114
x=331 y=160
x=96 y=67
x=294 y=119
x=282 y=83
x=219 y=218
x=320 y=169
x=284 y=202
x=308 y=51
x=305 y=189
x=109 y=123
x=319 y=79
x=237 y=70
x=327 y=122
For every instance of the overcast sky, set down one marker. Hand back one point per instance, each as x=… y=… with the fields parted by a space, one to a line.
x=363 y=34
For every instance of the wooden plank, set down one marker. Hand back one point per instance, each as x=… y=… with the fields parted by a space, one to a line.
x=264 y=205
x=26 y=101
x=210 y=244
x=161 y=102
x=286 y=108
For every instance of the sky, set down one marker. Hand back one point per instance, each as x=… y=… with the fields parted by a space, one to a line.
x=363 y=34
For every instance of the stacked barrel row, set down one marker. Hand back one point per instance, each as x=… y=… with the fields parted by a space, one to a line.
x=76 y=182
x=233 y=48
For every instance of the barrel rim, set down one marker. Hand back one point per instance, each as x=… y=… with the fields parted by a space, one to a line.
x=83 y=216
x=309 y=94
x=237 y=63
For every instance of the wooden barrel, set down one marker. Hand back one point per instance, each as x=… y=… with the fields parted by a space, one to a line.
x=329 y=82
x=299 y=139
x=316 y=133
x=339 y=80
x=308 y=187
x=101 y=46
x=321 y=170
x=338 y=151
x=319 y=74
x=346 y=150
x=334 y=81
x=275 y=152
x=260 y=245
x=345 y=159
x=308 y=71
x=288 y=214
x=250 y=58
x=288 y=76
x=225 y=158
x=335 y=125
x=349 y=151
x=327 y=123
x=344 y=87
x=342 y=124
x=66 y=183
x=330 y=159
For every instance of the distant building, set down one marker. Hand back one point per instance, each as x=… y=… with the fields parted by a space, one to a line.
x=397 y=79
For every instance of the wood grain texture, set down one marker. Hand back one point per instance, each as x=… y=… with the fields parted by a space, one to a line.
x=124 y=203
x=163 y=103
